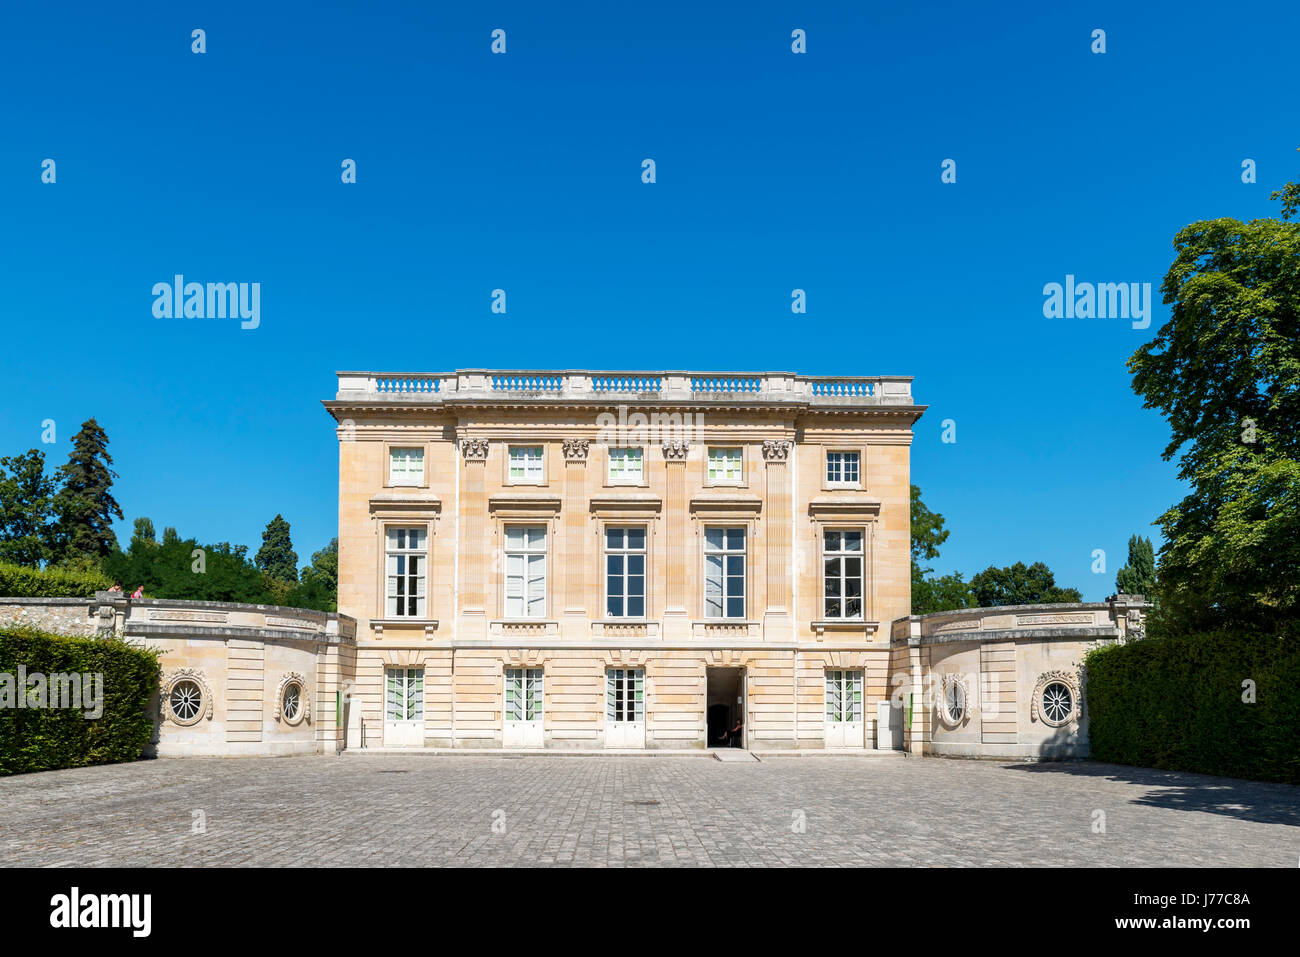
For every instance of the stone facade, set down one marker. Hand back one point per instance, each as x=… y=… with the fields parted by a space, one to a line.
x=616 y=561
x=239 y=660
x=1005 y=682
x=740 y=457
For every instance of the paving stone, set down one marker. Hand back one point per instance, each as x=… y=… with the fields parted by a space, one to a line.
x=423 y=810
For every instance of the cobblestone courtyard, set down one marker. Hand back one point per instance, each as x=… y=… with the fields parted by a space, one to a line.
x=441 y=810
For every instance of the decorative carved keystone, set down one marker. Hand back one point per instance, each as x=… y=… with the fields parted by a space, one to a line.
x=575 y=450
x=474 y=450
x=777 y=450
x=676 y=451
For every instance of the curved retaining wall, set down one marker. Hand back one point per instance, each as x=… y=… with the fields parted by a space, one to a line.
x=1007 y=682
x=230 y=665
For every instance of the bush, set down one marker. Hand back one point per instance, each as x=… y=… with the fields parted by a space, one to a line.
x=18 y=581
x=41 y=739
x=1176 y=703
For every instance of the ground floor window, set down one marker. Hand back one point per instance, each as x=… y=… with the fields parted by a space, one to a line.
x=404 y=694
x=625 y=694
x=523 y=694
x=843 y=696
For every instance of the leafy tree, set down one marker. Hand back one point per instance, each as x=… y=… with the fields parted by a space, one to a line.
x=1225 y=372
x=170 y=535
x=27 y=529
x=1020 y=584
x=143 y=535
x=947 y=593
x=932 y=594
x=84 y=502
x=170 y=569
x=1138 y=577
x=319 y=581
x=276 y=558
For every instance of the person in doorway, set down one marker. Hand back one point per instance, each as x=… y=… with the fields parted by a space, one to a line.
x=733 y=736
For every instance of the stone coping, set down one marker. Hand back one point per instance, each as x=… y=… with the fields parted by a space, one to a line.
x=1060 y=633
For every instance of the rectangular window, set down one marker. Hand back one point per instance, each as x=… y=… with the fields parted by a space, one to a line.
x=724 y=572
x=624 y=695
x=405 y=561
x=625 y=466
x=843 y=696
x=625 y=557
x=526 y=463
x=406 y=467
x=523 y=694
x=404 y=694
x=526 y=571
x=842 y=560
x=842 y=468
x=724 y=465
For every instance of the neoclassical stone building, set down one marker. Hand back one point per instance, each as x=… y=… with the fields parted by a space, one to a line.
x=595 y=561
x=621 y=560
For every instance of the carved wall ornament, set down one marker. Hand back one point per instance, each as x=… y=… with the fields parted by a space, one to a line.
x=777 y=450
x=1056 y=701
x=952 y=706
x=676 y=451
x=575 y=450
x=185 y=697
x=474 y=450
x=292 y=703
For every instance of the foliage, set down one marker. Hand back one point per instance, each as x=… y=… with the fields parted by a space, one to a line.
x=1225 y=373
x=1182 y=703
x=276 y=558
x=1020 y=584
x=40 y=739
x=27 y=528
x=17 y=581
x=1138 y=577
x=84 y=502
x=946 y=593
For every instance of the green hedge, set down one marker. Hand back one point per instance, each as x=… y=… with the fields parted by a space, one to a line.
x=1175 y=703
x=33 y=739
x=18 y=581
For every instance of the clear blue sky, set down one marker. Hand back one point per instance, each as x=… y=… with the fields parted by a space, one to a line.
x=775 y=171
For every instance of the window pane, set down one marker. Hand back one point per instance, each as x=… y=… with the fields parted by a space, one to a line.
x=613 y=538
x=852 y=541
x=735 y=539
x=636 y=538
x=713 y=538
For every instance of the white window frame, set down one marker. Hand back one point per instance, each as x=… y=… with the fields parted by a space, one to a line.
x=842 y=556
x=404 y=475
x=728 y=578
x=841 y=467
x=533 y=467
x=532 y=596
x=844 y=681
x=530 y=703
x=625 y=553
x=736 y=453
x=407 y=694
x=399 y=557
x=623 y=704
x=622 y=475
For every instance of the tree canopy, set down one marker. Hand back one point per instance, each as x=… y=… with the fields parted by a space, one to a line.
x=1225 y=373
x=84 y=502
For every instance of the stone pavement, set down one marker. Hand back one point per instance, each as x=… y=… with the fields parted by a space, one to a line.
x=374 y=810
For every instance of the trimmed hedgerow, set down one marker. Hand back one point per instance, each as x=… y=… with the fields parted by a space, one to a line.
x=1183 y=703
x=18 y=581
x=41 y=739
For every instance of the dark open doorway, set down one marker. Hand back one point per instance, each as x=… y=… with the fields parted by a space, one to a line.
x=725 y=707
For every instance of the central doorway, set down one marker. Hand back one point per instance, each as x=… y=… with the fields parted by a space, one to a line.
x=725 y=706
